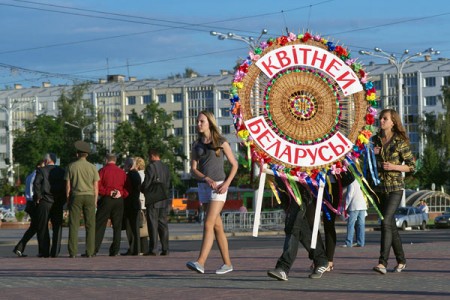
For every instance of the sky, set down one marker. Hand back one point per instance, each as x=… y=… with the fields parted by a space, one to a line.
x=70 y=41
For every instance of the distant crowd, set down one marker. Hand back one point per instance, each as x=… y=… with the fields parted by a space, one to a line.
x=135 y=199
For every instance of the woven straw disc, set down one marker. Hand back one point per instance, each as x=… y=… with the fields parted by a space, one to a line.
x=303 y=105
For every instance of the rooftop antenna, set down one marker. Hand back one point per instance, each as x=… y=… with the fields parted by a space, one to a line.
x=128 y=69
x=107 y=66
x=285 y=24
x=309 y=17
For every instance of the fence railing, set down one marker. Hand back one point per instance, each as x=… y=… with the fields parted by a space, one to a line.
x=238 y=221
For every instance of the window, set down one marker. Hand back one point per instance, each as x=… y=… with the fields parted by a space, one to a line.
x=225 y=112
x=447 y=80
x=430 y=81
x=178 y=131
x=146 y=99
x=430 y=101
x=131 y=100
x=178 y=114
x=162 y=98
x=225 y=129
x=131 y=118
x=177 y=97
x=224 y=94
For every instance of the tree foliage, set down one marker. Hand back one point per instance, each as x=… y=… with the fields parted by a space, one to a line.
x=39 y=136
x=434 y=166
x=53 y=134
x=149 y=130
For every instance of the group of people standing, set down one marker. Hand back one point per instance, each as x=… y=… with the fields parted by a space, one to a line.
x=111 y=193
x=111 y=185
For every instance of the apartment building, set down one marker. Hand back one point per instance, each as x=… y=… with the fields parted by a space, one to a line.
x=117 y=96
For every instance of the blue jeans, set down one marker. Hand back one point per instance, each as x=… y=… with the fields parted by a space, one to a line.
x=357 y=217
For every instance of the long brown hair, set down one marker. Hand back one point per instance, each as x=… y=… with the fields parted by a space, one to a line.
x=398 y=126
x=216 y=137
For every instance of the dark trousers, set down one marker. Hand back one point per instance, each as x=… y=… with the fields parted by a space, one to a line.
x=157 y=219
x=298 y=224
x=329 y=227
x=43 y=236
x=32 y=230
x=109 y=208
x=132 y=225
x=390 y=236
x=56 y=218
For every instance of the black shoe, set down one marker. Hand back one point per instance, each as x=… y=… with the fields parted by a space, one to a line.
x=85 y=255
x=114 y=254
x=164 y=253
x=72 y=256
x=318 y=272
x=150 y=254
x=278 y=274
x=42 y=256
x=19 y=253
x=126 y=253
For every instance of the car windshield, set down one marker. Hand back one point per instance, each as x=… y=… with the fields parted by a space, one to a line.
x=401 y=211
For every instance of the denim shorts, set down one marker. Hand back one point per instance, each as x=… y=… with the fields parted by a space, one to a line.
x=207 y=194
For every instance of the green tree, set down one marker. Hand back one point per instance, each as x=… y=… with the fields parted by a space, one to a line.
x=434 y=163
x=39 y=136
x=79 y=118
x=54 y=134
x=148 y=130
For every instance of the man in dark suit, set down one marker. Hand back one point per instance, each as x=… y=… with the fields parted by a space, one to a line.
x=49 y=191
x=157 y=209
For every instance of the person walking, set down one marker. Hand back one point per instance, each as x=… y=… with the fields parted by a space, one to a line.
x=298 y=229
x=30 y=209
x=356 y=206
x=49 y=191
x=157 y=208
x=393 y=156
x=110 y=205
x=207 y=166
x=81 y=192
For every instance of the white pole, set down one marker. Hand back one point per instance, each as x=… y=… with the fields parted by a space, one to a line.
x=259 y=197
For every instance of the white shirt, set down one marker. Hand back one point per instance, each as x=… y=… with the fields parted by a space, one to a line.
x=354 y=200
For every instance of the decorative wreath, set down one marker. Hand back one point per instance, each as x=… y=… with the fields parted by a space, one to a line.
x=302 y=106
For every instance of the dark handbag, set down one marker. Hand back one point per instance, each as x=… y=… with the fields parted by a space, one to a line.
x=346 y=178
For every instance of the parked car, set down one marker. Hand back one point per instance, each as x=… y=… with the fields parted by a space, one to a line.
x=444 y=219
x=410 y=216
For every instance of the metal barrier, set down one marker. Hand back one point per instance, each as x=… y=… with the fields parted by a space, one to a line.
x=238 y=221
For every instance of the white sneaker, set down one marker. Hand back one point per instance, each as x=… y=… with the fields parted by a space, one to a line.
x=195 y=266
x=224 y=269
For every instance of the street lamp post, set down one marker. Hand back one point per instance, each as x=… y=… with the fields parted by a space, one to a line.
x=246 y=39
x=9 y=108
x=399 y=63
x=79 y=127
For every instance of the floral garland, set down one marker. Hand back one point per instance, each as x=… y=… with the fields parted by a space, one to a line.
x=256 y=155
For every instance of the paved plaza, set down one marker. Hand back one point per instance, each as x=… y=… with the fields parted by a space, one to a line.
x=165 y=277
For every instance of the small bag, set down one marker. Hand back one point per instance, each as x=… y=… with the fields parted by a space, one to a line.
x=143 y=230
x=346 y=178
